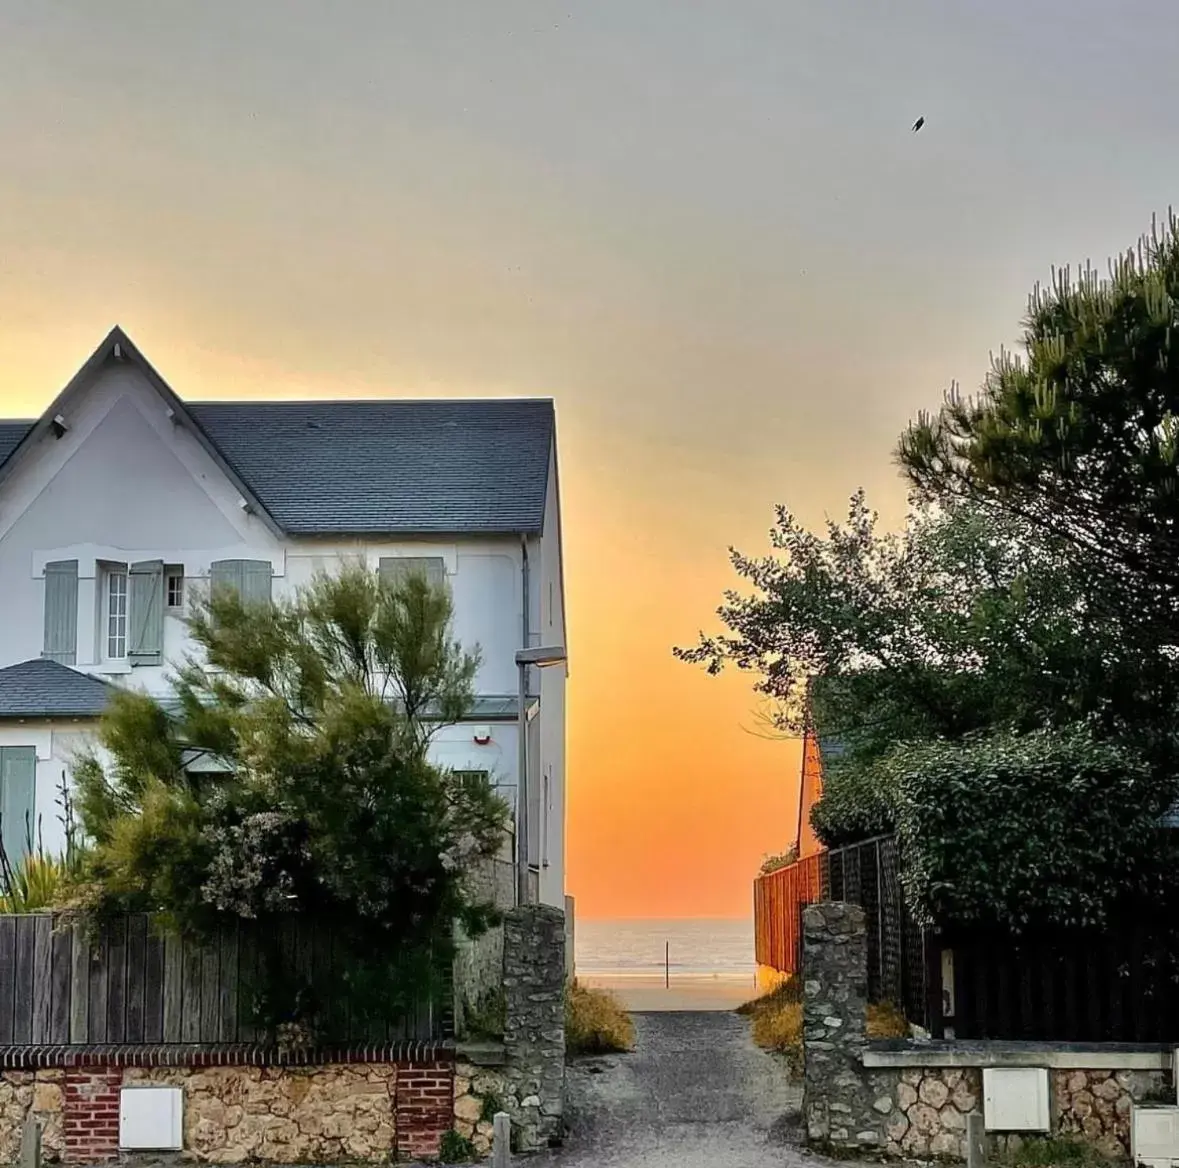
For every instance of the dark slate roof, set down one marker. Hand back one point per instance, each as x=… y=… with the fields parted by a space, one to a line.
x=45 y=689
x=404 y=466
x=10 y=435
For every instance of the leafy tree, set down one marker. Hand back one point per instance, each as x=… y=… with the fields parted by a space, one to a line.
x=962 y=621
x=318 y=711
x=1079 y=436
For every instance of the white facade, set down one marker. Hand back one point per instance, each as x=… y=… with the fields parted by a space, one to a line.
x=126 y=484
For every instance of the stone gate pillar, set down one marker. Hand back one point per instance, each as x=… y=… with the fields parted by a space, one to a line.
x=839 y=1104
x=534 y=1023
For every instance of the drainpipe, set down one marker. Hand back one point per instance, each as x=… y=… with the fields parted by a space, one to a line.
x=522 y=743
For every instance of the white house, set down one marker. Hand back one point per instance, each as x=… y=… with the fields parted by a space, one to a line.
x=122 y=496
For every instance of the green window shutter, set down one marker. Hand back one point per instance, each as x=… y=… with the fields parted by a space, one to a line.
x=250 y=579
x=395 y=569
x=256 y=576
x=146 y=582
x=18 y=773
x=61 y=612
x=226 y=574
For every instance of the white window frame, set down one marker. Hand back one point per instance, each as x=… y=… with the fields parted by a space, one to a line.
x=173 y=576
x=110 y=638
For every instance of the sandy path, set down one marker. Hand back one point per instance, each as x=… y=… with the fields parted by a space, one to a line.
x=695 y=1093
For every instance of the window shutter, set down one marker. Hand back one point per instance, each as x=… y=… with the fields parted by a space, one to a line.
x=18 y=772
x=250 y=579
x=256 y=576
x=146 y=643
x=61 y=612
x=395 y=569
x=226 y=574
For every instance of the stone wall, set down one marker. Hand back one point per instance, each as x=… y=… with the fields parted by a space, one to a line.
x=1096 y=1104
x=854 y=1100
x=534 y=1028
x=366 y=1111
x=41 y=1091
x=842 y=1108
x=478 y=961
x=929 y=1110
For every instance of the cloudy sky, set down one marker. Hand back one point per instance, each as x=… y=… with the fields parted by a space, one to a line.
x=703 y=227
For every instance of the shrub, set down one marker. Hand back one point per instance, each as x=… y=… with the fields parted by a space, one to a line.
x=781 y=860
x=37 y=883
x=1021 y=831
x=595 y=1022
x=1057 y=1152
x=858 y=801
x=455 y=1148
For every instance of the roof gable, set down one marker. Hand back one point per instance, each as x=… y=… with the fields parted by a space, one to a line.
x=357 y=467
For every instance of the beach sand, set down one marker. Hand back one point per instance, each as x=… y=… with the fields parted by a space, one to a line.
x=648 y=994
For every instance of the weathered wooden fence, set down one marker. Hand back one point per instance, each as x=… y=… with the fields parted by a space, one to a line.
x=134 y=985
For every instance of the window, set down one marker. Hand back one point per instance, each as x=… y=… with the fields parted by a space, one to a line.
x=116 y=613
x=471 y=779
x=396 y=570
x=175 y=588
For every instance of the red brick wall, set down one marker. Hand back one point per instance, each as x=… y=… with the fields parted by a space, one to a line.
x=424 y=1107
x=91 y=1106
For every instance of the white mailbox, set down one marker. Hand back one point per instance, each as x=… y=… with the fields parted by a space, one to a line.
x=1154 y=1136
x=1015 y=1099
x=151 y=1119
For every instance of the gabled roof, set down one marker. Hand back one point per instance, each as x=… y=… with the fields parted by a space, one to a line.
x=389 y=466
x=11 y=434
x=397 y=467
x=45 y=689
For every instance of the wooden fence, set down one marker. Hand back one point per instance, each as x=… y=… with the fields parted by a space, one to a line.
x=778 y=900
x=136 y=986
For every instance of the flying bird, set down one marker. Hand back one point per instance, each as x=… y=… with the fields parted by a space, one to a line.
x=918 y=124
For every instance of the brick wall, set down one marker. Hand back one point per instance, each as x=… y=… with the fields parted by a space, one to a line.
x=91 y=1119
x=424 y=1107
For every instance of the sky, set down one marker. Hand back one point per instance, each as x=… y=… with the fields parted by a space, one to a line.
x=704 y=228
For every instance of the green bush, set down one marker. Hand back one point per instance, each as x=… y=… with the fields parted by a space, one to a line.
x=1022 y=831
x=858 y=801
x=455 y=1148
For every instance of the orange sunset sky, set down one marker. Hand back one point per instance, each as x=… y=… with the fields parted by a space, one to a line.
x=705 y=229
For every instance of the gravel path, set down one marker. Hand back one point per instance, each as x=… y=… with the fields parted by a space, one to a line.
x=695 y=1093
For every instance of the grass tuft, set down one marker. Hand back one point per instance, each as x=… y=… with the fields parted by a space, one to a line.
x=1057 y=1152
x=595 y=1022
x=776 y=1020
x=886 y=1020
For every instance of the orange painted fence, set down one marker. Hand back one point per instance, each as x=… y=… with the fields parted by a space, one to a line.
x=778 y=900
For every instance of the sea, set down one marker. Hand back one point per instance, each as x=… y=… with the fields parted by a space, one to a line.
x=618 y=950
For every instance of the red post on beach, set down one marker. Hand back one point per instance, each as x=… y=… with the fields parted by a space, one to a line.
x=667 y=965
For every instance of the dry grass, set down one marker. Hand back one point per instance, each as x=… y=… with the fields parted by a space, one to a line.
x=595 y=1022
x=776 y=1020
x=885 y=1020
